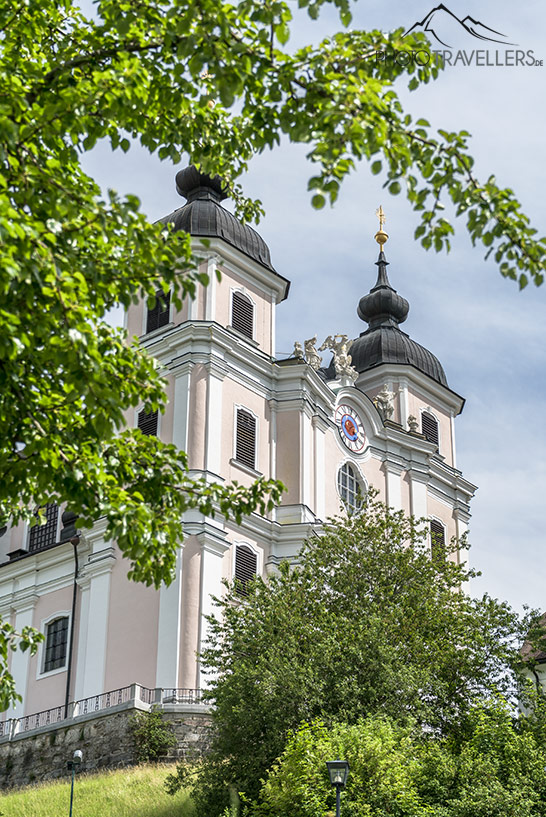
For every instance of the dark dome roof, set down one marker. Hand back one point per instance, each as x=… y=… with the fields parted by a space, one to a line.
x=384 y=309
x=387 y=344
x=204 y=216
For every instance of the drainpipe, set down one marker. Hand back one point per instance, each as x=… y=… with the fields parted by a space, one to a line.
x=70 y=534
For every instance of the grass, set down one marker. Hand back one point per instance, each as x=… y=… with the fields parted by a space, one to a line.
x=132 y=792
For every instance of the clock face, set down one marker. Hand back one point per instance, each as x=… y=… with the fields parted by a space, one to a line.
x=350 y=428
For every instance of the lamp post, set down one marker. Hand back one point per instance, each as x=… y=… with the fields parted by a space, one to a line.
x=72 y=765
x=338 y=771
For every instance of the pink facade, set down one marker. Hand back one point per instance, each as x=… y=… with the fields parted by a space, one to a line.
x=328 y=435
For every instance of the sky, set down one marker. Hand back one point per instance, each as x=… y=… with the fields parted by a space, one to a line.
x=488 y=335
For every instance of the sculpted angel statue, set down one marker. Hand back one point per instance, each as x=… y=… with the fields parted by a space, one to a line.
x=340 y=345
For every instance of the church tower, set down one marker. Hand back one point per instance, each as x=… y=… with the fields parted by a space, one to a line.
x=379 y=412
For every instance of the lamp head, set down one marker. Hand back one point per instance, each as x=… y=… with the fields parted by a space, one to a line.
x=338 y=771
x=77 y=757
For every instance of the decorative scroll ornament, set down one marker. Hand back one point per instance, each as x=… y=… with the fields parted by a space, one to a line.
x=340 y=345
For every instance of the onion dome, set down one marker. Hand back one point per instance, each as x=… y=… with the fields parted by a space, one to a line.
x=203 y=216
x=384 y=342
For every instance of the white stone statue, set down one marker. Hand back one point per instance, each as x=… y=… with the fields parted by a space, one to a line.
x=413 y=424
x=384 y=402
x=298 y=350
x=340 y=345
x=311 y=355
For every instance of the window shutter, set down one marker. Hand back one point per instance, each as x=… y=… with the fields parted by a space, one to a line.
x=429 y=426
x=246 y=564
x=242 y=314
x=56 y=642
x=159 y=315
x=43 y=536
x=147 y=423
x=245 y=443
x=437 y=539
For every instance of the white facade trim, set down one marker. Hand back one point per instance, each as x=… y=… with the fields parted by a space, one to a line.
x=168 y=629
x=181 y=407
x=307 y=470
x=20 y=661
x=319 y=451
x=213 y=431
x=210 y=289
x=244 y=267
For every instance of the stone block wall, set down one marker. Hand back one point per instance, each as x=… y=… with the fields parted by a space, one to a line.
x=104 y=738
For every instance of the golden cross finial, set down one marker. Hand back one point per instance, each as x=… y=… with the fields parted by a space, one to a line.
x=381 y=236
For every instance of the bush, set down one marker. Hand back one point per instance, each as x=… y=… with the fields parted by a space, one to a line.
x=152 y=736
x=496 y=771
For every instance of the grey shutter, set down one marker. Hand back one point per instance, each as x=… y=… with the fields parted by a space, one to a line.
x=245 y=442
x=437 y=539
x=147 y=423
x=242 y=314
x=159 y=314
x=246 y=563
x=429 y=425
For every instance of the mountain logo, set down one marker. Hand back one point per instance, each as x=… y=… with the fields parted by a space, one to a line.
x=443 y=25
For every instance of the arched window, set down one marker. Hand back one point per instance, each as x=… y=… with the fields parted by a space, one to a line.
x=437 y=539
x=158 y=315
x=246 y=565
x=429 y=427
x=43 y=536
x=147 y=423
x=245 y=438
x=56 y=640
x=242 y=314
x=350 y=488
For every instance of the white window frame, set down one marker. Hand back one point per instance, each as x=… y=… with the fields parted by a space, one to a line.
x=428 y=410
x=40 y=672
x=246 y=293
x=257 y=551
x=360 y=478
x=234 y=459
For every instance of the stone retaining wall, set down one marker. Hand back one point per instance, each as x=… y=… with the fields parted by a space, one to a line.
x=104 y=738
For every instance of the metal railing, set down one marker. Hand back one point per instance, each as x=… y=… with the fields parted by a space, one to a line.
x=100 y=703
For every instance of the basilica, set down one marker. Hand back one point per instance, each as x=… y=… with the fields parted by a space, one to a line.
x=337 y=416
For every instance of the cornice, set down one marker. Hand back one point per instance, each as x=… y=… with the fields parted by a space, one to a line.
x=241 y=265
x=450 y=400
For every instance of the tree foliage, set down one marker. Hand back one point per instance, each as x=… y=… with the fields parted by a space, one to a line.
x=218 y=82
x=367 y=623
x=497 y=770
x=11 y=640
